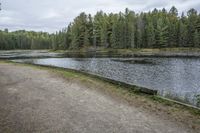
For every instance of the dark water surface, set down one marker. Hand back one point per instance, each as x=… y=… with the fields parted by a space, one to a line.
x=176 y=78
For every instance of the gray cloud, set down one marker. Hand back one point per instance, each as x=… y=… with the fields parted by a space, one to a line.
x=52 y=15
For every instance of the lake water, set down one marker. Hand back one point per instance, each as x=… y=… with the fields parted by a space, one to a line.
x=175 y=78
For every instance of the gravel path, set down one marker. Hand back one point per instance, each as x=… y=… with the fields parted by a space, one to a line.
x=33 y=100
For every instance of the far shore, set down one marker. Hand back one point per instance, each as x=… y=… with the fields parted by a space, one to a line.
x=121 y=53
x=164 y=52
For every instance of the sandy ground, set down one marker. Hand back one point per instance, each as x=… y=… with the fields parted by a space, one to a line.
x=33 y=100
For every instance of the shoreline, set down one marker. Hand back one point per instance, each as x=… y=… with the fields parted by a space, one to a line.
x=114 y=53
x=131 y=53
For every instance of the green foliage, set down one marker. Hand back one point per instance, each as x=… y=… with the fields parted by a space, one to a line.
x=24 y=40
x=161 y=34
x=156 y=29
x=150 y=35
x=182 y=36
x=196 y=39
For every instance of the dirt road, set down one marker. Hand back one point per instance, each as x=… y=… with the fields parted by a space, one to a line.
x=34 y=100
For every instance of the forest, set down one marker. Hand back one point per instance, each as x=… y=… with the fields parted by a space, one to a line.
x=24 y=40
x=153 y=29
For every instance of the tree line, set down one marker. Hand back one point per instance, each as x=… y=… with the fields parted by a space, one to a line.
x=24 y=40
x=153 y=29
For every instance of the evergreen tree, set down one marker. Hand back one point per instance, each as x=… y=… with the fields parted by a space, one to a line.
x=182 y=35
x=161 y=34
x=150 y=35
x=192 y=19
x=196 y=39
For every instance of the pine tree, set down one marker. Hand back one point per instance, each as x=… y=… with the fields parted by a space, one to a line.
x=196 y=39
x=86 y=39
x=150 y=35
x=114 y=34
x=139 y=30
x=173 y=11
x=130 y=29
x=161 y=34
x=182 y=35
x=192 y=19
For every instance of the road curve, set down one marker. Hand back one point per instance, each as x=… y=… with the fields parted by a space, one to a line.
x=34 y=100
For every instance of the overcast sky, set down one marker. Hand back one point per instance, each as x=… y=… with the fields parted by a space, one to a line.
x=53 y=15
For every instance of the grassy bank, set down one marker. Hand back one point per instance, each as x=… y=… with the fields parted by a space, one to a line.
x=151 y=103
x=108 y=52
